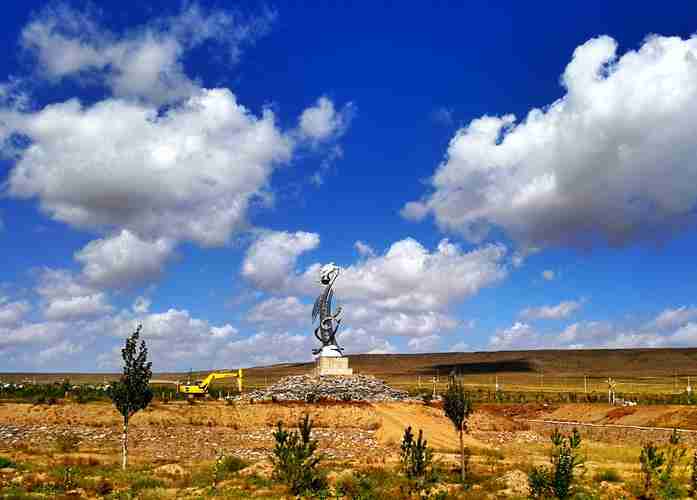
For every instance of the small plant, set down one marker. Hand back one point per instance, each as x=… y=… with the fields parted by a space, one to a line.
x=609 y=475
x=6 y=463
x=132 y=392
x=457 y=404
x=693 y=475
x=226 y=464
x=415 y=455
x=652 y=460
x=294 y=459
x=557 y=481
x=68 y=479
x=67 y=442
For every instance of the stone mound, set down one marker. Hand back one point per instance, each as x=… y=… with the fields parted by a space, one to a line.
x=328 y=387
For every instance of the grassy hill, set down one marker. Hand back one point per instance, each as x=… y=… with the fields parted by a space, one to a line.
x=659 y=369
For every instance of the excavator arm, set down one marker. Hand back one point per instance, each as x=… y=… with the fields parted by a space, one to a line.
x=201 y=388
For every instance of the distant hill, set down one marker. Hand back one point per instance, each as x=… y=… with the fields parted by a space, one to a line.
x=594 y=362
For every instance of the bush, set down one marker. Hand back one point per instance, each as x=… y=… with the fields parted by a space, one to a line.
x=415 y=456
x=294 y=459
x=67 y=442
x=658 y=467
x=6 y=463
x=557 y=481
x=693 y=475
x=609 y=475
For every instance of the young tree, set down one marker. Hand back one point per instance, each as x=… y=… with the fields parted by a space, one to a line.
x=132 y=392
x=457 y=405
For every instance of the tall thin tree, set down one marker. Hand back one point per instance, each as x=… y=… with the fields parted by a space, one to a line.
x=132 y=392
x=457 y=405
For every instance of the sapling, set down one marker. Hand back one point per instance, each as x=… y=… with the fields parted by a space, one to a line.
x=132 y=392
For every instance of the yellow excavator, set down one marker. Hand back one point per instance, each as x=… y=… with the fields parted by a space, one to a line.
x=200 y=387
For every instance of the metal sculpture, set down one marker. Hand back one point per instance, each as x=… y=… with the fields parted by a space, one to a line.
x=328 y=322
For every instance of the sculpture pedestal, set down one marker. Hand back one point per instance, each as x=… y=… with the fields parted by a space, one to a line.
x=331 y=365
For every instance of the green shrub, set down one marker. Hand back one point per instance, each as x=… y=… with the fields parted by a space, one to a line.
x=294 y=459
x=415 y=456
x=651 y=460
x=557 y=481
x=6 y=463
x=146 y=483
x=609 y=475
x=693 y=475
x=659 y=467
x=357 y=486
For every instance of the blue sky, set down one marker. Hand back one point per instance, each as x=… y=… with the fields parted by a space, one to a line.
x=489 y=178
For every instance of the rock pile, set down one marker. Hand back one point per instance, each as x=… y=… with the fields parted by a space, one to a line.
x=310 y=389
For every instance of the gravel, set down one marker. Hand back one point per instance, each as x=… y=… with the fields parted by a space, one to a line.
x=328 y=387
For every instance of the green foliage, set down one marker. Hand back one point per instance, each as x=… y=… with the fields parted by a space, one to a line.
x=6 y=463
x=132 y=392
x=225 y=465
x=693 y=475
x=294 y=459
x=457 y=404
x=415 y=455
x=609 y=475
x=652 y=460
x=660 y=466
x=427 y=398
x=358 y=486
x=557 y=481
x=146 y=483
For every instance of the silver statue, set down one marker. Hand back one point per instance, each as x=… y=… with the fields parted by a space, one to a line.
x=328 y=322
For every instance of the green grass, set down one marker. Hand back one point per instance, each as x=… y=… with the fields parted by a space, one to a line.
x=609 y=475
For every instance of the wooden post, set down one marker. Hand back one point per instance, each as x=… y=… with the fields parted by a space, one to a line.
x=585 y=384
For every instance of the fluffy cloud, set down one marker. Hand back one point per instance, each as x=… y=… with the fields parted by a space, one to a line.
x=322 y=121
x=123 y=260
x=77 y=307
x=424 y=344
x=282 y=311
x=61 y=283
x=672 y=318
x=144 y=63
x=270 y=261
x=590 y=165
x=408 y=277
x=562 y=310
x=185 y=174
x=520 y=335
x=406 y=292
x=363 y=249
x=12 y=312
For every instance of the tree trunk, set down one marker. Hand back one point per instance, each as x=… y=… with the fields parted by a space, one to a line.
x=124 y=458
x=462 y=458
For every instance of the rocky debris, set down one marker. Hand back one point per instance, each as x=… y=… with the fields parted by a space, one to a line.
x=515 y=482
x=170 y=470
x=188 y=442
x=328 y=387
x=262 y=468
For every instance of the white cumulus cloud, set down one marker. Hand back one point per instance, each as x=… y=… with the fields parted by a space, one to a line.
x=123 y=260
x=562 y=310
x=612 y=159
